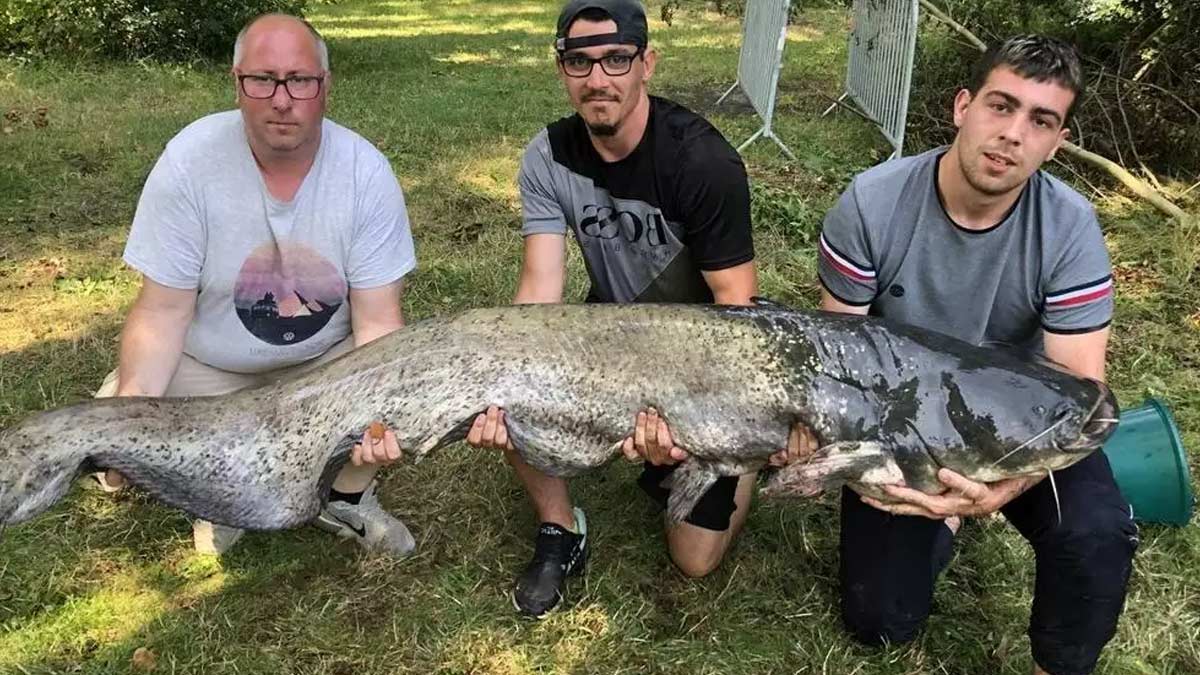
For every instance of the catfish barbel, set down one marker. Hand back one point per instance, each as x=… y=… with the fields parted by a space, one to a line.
x=887 y=403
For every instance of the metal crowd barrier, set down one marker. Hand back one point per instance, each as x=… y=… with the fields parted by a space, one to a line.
x=883 y=41
x=761 y=60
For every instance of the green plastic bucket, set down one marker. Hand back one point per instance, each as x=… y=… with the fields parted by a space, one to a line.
x=1150 y=465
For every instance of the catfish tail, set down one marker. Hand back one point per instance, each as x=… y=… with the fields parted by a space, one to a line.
x=43 y=454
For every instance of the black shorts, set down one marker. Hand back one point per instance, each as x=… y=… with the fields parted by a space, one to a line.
x=715 y=507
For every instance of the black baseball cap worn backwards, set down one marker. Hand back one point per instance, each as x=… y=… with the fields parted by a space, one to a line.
x=629 y=16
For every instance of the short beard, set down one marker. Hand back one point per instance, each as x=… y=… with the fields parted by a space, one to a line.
x=603 y=130
x=972 y=180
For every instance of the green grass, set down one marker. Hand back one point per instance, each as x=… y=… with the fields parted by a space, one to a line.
x=451 y=91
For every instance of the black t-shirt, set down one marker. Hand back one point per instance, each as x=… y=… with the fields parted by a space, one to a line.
x=647 y=224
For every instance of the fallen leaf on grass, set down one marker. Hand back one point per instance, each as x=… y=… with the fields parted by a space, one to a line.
x=144 y=660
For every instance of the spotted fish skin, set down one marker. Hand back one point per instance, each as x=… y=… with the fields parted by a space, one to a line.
x=730 y=381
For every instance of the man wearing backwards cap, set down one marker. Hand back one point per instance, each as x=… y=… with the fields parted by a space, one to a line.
x=659 y=205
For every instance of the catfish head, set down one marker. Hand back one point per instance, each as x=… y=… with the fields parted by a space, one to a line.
x=1020 y=422
x=987 y=422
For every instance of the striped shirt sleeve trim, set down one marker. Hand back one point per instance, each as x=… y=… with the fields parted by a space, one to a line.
x=844 y=264
x=839 y=298
x=1081 y=294
x=1075 y=331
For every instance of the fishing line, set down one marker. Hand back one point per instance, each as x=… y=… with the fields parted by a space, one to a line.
x=1027 y=443
x=1054 y=489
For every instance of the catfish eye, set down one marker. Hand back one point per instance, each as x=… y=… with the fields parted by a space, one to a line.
x=1039 y=409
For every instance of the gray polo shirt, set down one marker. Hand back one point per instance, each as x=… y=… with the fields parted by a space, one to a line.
x=889 y=244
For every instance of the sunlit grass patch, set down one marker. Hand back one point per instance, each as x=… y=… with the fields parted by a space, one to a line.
x=77 y=629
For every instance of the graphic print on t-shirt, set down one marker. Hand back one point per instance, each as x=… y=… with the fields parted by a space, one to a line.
x=286 y=292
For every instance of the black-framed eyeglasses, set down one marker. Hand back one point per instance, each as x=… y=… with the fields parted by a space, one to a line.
x=299 y=87
x=578 y=65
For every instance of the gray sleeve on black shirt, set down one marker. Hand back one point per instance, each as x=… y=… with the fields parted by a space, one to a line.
x=844 y=262
x=541 y=212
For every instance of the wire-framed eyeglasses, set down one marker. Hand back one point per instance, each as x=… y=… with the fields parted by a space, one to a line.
x=613 y=65
x=299 y=87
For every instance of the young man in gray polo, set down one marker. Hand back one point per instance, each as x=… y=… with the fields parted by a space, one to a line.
x=974 y=241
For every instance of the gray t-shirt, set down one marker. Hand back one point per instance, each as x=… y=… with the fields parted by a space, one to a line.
x=889 y=243
x=272 y=277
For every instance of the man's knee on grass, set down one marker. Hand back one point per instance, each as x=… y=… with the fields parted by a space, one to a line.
x=697 y=548
x=696 y=551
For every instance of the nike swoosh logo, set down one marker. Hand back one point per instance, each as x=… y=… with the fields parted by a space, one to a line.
x=361 y=530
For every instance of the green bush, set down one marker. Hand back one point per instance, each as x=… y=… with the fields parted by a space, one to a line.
x=175 y=30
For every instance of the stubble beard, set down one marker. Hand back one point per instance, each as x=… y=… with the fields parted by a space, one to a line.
x=973 y=176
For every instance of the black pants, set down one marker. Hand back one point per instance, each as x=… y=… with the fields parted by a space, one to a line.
x=889 y=565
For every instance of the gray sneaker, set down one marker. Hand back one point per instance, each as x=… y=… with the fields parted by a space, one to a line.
x=367 y=523
x=212 y=538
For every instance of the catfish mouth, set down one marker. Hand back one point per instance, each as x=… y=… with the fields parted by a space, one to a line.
x=1100 y=423
x=1058 y=445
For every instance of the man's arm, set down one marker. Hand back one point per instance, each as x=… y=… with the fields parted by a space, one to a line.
x=1085 y=353
x=543 y=269
x=152 y=338
x=375 y=312
x=832 y=304
x=651 y=439
x=733 y=285
x=543 y=276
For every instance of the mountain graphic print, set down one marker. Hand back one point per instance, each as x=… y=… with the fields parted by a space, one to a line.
x=286 y=292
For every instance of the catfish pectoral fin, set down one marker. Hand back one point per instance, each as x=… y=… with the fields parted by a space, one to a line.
x=833 y=465
x=450 y=432
x=688 y=484
x=873 y=491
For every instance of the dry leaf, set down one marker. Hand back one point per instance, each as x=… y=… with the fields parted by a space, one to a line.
x=144 y=660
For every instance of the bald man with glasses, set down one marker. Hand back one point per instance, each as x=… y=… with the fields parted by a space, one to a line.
x=270 y=240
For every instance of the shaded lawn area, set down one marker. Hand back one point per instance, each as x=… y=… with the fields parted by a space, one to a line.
x=451 y=91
